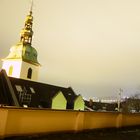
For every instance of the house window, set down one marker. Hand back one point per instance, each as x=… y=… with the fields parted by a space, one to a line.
x=18 y=88
x=10 y=71
x=32 y=90
x=29 y=74
x=25 y=98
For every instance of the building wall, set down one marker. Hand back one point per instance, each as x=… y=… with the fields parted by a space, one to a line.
x=16 y=121
x=59 y=101
x=20 y=69
x=129 y=119
x=93 y=120
x=24 y=70
x=16 y=67
x=79 y=103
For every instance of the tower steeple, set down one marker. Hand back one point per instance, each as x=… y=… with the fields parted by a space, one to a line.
x=27 y=32
x=22 y=60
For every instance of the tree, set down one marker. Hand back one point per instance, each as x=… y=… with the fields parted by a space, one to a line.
x=131 y=104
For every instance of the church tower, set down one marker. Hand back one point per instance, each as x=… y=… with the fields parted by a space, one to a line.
x=22 y=60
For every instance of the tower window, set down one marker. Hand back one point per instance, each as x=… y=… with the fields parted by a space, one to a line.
x=29 y=75
x=10 y=71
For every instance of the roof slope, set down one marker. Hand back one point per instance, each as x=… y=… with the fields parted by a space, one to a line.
x=31 y=93
x=43 y=93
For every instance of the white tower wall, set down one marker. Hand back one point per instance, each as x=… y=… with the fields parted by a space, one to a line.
x=19 y=69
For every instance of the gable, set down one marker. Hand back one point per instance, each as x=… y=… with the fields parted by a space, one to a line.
x=79 y=103
x=59 y=101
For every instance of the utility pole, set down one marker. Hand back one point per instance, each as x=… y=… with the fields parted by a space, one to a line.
x=119 y=98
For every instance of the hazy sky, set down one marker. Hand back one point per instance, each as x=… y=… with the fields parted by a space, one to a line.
x=91 y=45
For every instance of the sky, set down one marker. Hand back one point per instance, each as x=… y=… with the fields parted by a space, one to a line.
x=91 y=45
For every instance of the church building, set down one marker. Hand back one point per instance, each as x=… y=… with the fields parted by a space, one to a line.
x=19 y=84
x=22 y=60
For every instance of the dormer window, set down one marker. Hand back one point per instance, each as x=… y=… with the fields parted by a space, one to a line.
x=32 y=90
x=18 y=88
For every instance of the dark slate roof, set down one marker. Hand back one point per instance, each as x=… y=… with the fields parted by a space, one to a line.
x=41 y=88
x=45 y=92
x=5 y=96
x=41 y=93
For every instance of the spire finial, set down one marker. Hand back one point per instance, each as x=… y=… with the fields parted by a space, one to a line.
x=31 y=8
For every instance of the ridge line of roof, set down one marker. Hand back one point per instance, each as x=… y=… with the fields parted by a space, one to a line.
x=38 y=82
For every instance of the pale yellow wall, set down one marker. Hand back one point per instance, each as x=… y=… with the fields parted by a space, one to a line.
x=59 y=101
x=24 y=70
x=94 y=120
x=16 y=67
x=130 y=119
x=26 y=121
x=79 y=103
x=16 y=121
x=3 y=121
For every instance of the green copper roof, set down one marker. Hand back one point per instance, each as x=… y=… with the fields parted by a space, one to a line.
x=25 y=52
x=29 y=54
